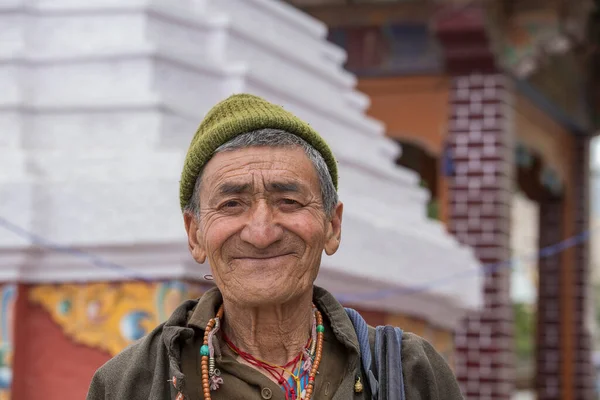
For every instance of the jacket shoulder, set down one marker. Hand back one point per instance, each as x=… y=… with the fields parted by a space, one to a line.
x=136 y=363
x=426 y=373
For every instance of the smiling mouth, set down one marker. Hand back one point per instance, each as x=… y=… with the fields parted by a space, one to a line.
x=262 y=258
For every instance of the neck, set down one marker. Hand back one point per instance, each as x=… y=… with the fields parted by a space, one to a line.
x=272 y=333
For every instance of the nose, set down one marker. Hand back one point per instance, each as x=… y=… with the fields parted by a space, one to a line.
x=261 y=231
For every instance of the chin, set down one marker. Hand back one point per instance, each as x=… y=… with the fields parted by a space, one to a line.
x=262 y=295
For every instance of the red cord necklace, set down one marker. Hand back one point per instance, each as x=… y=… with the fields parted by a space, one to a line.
x=311 y=356
x=276 y=371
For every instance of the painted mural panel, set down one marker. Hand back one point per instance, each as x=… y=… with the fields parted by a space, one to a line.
x=111 y=316
x=396 y=48
x=8 y=296
x=536 y=47
x=524 y=38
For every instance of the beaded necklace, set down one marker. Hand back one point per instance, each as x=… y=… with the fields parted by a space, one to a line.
x=291 y=387
x=308 y=359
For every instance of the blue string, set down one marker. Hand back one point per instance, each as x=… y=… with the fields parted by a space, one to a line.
x=486 y=269
x=47 y=244
x=100 y=262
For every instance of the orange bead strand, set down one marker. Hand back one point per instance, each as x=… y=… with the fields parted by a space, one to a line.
x=318 y=356
x=204 y=362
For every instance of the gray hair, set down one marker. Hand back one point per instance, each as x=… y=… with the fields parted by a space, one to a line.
x=275 y=138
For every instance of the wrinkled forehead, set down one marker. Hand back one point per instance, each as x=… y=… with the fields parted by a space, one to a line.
x=259 y=168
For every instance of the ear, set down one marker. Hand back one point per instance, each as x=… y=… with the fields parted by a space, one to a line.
x=194 y=234
x=334 y=230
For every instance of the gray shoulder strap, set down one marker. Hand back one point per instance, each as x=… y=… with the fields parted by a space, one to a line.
x=388 y=384
x=388 y=363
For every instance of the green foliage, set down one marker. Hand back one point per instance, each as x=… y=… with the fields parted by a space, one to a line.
x=524 y=331
x=596 y=297
x=433 y=209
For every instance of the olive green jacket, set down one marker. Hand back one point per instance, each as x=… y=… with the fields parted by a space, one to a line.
x=151 y=368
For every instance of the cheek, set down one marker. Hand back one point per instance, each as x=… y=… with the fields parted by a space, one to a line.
x=310 y=230
x=217 y=232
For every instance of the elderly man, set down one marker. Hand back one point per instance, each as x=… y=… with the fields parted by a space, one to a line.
x=259 y=200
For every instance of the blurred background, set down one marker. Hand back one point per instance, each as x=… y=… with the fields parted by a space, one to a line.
x=469 y=171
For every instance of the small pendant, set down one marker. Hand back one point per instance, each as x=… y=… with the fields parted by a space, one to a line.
x=358 y=386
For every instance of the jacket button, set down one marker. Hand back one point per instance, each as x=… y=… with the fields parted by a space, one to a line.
x=266 y=393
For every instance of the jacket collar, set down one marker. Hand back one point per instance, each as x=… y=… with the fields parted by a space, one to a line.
x=325 y=302
x=197 y=313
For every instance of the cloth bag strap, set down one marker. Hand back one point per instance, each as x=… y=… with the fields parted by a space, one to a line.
x=384 y=378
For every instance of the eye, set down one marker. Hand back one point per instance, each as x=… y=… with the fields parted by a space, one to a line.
x=230 y=204
x=289 y=201
x=289 y=204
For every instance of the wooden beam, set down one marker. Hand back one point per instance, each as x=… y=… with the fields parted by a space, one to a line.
x=567 y=282
x=350 y=13
x=371 y=14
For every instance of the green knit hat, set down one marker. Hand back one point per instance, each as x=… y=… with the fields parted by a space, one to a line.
x=238 y=114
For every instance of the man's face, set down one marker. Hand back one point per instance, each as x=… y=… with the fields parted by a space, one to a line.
x=262 y=225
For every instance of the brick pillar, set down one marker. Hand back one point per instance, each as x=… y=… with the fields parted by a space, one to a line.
x=584 y=374
x=548 y=350
x=480 y=137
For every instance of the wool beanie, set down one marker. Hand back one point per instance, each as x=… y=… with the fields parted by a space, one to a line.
x=238 y=114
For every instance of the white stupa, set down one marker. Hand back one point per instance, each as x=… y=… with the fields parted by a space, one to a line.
x=99 y=100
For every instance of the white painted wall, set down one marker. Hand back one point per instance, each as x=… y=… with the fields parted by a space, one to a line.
x=524 y=243
x=99 y=100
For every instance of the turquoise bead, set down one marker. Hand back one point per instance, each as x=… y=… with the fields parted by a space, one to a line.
x=320 y=328
x=204 y=350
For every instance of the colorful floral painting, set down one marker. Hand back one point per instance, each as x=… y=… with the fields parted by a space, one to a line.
x=525 y=37
x=111 y=316
x=8 y=296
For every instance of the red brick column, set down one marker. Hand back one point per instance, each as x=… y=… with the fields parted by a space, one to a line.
x=548 y=347
x=584 y=374
x=480 y=137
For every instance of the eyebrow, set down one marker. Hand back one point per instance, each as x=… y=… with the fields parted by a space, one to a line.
x=233 y=188
x=282 y=187
x=237 y=188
